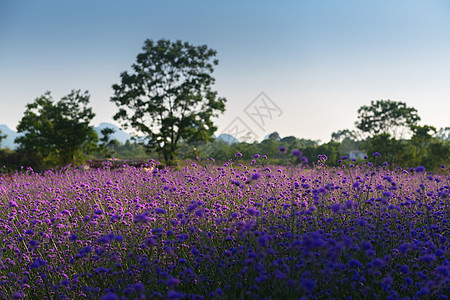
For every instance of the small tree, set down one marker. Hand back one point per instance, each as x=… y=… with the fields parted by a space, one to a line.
x=168 y=97
x=59 y=132
x=386 y=117
x=343 y=134
x=2 y=136
x=274 y=136
x=443 y=134
x=107 y=143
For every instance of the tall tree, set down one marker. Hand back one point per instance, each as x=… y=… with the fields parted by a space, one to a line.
x=386 y=117
x=58 y=131
x=168 y=97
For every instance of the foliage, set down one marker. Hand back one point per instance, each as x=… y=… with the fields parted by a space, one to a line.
x=58 y=132
x=330 y=149
x=21 y=159
x=168 y=97
x=108 y=144
x=2 y=136
x=443 y=134
x=274 y=136
x=423 y=149
x=386 y=117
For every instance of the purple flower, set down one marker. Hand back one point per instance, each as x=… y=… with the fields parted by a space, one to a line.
x=33 y=243
x=183 y=237
x=252 y=212
x=386 y=282
x=18 y=295
x=377 y=154
x=428 y=258
x=149 y=242
x=408 y=280
x=336 y=207
x=297 y=153
x=173 y=282
x=159 y=210
x=387 y=194
x=139 y=287
x=420 y=169
x=308 y=284
x=173 y=295
x=443 y=271
x=238 y=154
x=424 y=291
x=109 y=296
x=377 y=262
x=282 y=150
x=354 y=263
x=37 y=264
x=263 y=240
x=141 y=218
x=191 y=207
x=404 y=269
x=195 y=251
x=65 y=212
x=86 y=249
x=104 y=239
x=257 y=156
x=255 y=176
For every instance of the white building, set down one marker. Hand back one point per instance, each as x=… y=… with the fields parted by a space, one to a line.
x=355 y=154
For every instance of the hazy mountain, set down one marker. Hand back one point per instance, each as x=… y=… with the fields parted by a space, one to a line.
x=9 y=141
x=227 y=138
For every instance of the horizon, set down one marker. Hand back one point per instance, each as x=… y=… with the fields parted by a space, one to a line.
x=317 y=63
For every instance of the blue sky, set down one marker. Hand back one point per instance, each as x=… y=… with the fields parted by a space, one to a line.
x=318 y=61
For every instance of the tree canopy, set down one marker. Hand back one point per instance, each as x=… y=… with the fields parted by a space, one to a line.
x=168 y=96
x=58 y=132
x=386 y=117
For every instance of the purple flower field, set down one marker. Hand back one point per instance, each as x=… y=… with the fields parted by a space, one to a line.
x=230 y=231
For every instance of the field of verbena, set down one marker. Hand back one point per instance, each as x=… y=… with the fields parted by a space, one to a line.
x=225 y=232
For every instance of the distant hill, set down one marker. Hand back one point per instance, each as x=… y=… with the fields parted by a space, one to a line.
x=227 y=138
x=119 y=134
x=9 y=141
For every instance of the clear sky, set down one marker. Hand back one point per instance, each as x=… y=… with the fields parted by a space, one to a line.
x=318 y=61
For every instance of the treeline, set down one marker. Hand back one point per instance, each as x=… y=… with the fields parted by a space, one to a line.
x=420 y=150
x=11 y=160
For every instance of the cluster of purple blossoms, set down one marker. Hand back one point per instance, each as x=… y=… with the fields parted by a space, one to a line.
x=233 y=231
